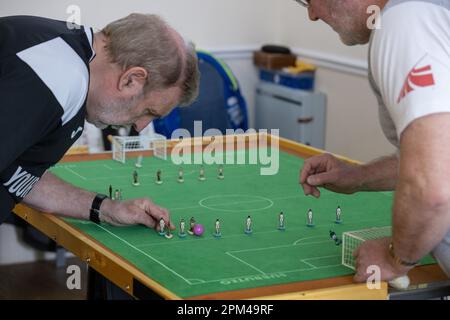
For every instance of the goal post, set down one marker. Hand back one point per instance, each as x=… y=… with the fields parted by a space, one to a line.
x=123 y=144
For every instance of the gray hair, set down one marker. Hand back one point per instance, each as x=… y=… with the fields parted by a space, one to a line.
x=145 y=40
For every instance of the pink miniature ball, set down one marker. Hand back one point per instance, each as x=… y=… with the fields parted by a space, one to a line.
x=198 y=229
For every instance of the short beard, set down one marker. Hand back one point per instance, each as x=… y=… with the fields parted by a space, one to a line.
x=116 y=112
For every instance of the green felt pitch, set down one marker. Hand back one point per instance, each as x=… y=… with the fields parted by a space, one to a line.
x=194 y=265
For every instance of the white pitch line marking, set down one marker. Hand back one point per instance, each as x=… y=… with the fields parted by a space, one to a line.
x=246 y=263
x=277 y=247
x=70 y=170
x=145 y=254
x=311 y=265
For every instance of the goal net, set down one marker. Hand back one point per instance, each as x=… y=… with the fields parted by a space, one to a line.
x=121 y=145
x=352 y=239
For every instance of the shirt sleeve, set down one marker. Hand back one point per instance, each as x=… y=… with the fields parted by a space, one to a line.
x=410 y=61
x=27 y=110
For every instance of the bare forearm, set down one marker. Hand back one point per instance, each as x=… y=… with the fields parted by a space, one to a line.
x=54 y=195
x=420 y=221
x=380 y=174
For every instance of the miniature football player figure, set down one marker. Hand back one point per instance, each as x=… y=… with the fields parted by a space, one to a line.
x=248 y=225
x=310 y=218
x=117 y=195
x=201 y=176
x=335 y=238
x=135 y=178
x=191 y=226
x=182 y=232
x=338 y=215
x=162 y=227
x=281 y=221
x=217 y=233
x=158 y=177
x=139 y=161
x=180 y=175
x=110 y=191
x=220 y=173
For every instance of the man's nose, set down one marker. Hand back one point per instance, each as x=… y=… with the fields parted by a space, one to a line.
x=312 y=14
x=141 y=124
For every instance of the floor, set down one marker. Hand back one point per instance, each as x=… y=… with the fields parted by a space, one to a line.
x=41 y=281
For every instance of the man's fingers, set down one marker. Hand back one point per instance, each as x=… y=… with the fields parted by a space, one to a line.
x=146 y=220
x=315 y=192
x=307 y=189
x=157 y=212
x=358 y=277
x=321 y=179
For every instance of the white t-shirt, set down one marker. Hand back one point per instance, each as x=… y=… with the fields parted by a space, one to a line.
x=410 y=63
x=409 y=70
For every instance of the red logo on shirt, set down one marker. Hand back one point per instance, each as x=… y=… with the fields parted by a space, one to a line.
x=417 y=77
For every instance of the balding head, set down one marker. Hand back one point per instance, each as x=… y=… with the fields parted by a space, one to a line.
x=141 y=40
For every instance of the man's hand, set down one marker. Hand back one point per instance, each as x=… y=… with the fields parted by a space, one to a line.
x=376 y=252
x=135 y=211
x=330 y=173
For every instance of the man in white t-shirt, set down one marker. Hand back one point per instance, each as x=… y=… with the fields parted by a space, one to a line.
x=409 y=70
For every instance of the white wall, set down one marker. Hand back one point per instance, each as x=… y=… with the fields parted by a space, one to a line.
x=207 y=22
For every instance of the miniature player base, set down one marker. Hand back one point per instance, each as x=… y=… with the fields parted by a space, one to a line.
x=168 y=234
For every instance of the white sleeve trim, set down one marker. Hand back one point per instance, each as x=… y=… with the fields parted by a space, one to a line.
x=62 y=71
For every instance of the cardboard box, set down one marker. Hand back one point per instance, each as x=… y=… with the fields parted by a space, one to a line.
x=273 y=61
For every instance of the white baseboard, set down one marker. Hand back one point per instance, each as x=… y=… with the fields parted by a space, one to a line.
x=321 y=59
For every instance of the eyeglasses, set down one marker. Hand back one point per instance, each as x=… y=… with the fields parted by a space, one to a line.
x=304 y=3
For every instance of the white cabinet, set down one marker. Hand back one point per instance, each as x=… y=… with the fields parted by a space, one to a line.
x=299 y=115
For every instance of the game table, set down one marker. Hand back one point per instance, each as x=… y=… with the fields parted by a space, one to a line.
x=299 y=262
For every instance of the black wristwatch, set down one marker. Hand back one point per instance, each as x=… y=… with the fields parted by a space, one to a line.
x=94 y=214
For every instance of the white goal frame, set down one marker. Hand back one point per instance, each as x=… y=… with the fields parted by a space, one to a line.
x=121 y=145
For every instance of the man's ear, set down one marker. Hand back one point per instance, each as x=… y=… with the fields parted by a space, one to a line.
x=133 y=80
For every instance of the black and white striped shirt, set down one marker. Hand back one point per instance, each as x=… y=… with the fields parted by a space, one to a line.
x=44 y=82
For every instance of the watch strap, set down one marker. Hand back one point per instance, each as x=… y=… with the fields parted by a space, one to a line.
x=94 y=214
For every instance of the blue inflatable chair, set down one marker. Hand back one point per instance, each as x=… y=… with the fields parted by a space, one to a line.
x=219 y=105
